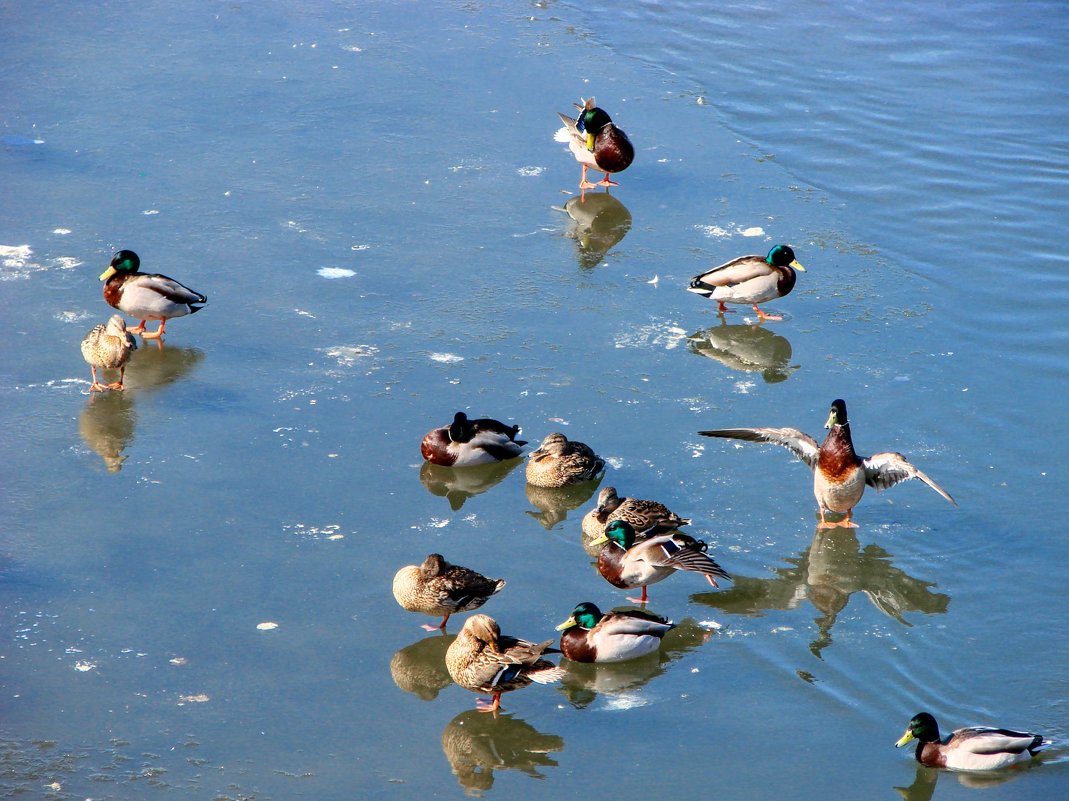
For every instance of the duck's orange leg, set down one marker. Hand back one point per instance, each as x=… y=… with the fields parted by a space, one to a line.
x=722 y=309
x=118 y=384
x=96 y=386
x=137 y=329
x=762 y=316
x=153 y=334
x=607 y=182
x=439 y=627
x=643 y=600
x=482 y=706
x=584 y=183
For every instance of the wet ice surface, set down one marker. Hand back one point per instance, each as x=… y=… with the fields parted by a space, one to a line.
x=197 y=570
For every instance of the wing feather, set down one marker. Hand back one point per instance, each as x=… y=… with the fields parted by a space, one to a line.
x=883 y=470
x=987 y=740
x=744 y=268
x=797 y=442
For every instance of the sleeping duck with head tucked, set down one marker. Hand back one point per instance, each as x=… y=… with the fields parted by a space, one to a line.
x=484 y=660
x=466 y=442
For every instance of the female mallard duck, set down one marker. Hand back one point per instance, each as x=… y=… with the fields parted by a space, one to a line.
x=641 y=514
x=839 y=474
x=596 y=143
x=108 y=346
x=146 y=296
x=559 y=462
x=484 y=660
x=750 y=279
x=590 y=636
x=626 y=561
x=466 y=442
x=439 y=588
x=973 y=748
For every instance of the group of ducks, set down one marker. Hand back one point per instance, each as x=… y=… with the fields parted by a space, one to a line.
x=144 y=296
x=637 y=542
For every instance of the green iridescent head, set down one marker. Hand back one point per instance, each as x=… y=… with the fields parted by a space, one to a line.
x=586 y=615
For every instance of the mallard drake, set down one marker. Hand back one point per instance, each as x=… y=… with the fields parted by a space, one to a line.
x=590 y=636
x=750 y=279
x=641 y=514
x=146 y=296
x=627 y=561
x=973 y=748
x=465 y=442
x=839 y=474
x=109 y=346
x=559 y=462
x=439 y=588
x=596 y=143
x=484 y=660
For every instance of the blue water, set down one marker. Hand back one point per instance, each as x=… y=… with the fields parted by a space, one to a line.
x=372 y=202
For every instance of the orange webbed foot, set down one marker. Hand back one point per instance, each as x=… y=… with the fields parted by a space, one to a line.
x=763 y=316
x=485 y=706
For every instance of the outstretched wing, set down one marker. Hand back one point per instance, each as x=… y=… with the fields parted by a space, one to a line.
x=797 y=442
x=883 y=470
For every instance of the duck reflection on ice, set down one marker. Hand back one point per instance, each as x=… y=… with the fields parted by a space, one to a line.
x=554 y=503
x=108 y=422
x=923 y=787
x=746 y=348
x=419 y=668
x=832 y=569
x=621 y=682
x=599 y=222
x=458 y=484
x=107 y=425
x=477 y=744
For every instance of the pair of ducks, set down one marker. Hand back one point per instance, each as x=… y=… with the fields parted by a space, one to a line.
x=145 y=296
x=558 y=461
x=839 y=480
x=597 y=143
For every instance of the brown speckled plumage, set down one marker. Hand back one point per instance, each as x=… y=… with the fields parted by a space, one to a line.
x=439 y=588
x=641 y=514
x=559 y=462
x=484 y=660
x=108 y=346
